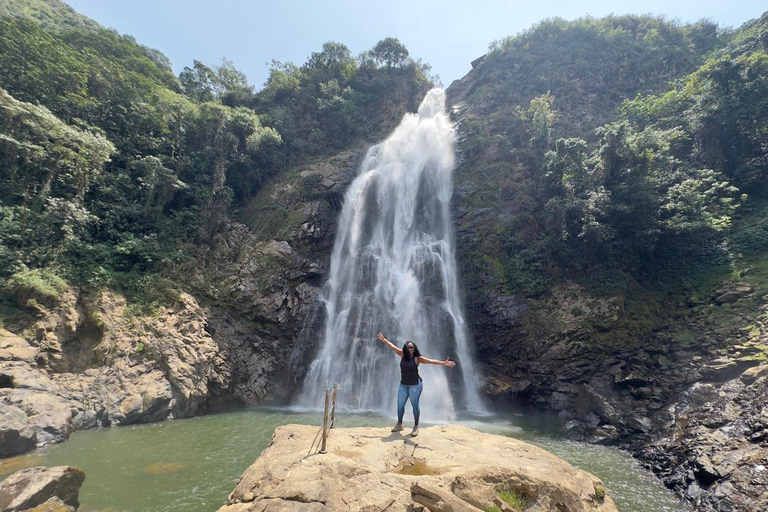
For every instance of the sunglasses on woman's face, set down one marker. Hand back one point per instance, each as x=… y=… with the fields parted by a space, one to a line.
x=409 y=348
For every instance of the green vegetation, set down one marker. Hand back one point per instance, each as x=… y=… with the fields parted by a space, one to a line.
x=110 y=166
x=513 y=499
x=49 y=14
x=38 y=283
x=335 y=101
x=599 y=492
x=591 y=65
x=626 y=153
x=623 y=149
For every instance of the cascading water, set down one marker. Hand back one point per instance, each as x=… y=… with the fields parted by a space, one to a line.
x=393 y=270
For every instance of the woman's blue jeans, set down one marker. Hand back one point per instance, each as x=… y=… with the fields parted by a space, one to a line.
x=404 y=393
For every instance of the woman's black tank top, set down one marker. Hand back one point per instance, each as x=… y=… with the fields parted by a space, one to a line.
x=409 y=371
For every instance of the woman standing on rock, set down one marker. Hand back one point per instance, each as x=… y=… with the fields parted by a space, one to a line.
x=411 y=385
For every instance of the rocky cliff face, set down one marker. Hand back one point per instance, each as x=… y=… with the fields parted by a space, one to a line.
x=82 y=362
x=685 y=392
x=268 y=266
x=639 y=367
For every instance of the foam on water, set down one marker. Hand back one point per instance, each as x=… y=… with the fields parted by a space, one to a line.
x=393 y=270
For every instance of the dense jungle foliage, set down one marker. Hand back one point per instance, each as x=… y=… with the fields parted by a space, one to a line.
x=617 y=148
x=628 y=154
x=111 y=163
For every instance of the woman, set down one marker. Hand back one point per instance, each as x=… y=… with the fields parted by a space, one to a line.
x=410 y=382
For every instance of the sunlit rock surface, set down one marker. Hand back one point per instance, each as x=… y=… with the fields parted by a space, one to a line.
x=367 y=469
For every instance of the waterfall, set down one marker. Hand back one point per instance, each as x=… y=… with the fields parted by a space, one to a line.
x=393 y=270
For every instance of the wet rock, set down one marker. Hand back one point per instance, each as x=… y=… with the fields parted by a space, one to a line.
x=560 y=401
x=34 y=487
x=498 y=385
x=706 y=451
x=16 y=436
x=588 y=431
x=590 y=401
x=639 y=422
x=85 y=420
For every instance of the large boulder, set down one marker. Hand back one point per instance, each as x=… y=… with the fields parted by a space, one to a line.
x=16 y=436
x=42 y=488
x=48 y=414
x=374 y=469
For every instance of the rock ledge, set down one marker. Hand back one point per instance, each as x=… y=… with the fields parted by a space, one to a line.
x=372 y=469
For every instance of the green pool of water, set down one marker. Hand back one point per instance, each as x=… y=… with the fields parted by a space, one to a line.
x=192 y=465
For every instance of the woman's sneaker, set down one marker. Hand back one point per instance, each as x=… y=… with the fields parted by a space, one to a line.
x=398 y=428
x=415 y=431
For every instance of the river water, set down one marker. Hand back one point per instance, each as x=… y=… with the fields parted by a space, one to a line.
x=192 y=465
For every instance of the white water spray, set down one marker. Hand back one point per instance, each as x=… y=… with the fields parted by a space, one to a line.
x=393 y=270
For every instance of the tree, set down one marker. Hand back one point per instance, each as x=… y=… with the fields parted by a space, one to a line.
x=198 y=82
x=334 y=61
x=225 y=83
x=47 y=168
x=390 y=52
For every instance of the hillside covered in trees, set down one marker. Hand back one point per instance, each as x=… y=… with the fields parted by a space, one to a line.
x=610 y=209
x=626 y=156
x=111 y=163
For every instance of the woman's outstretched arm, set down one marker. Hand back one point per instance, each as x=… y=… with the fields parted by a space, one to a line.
x=396 y=350
x=447 y=362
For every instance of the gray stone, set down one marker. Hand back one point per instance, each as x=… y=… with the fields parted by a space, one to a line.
x=14 y=348
x=719 y=369
x=16 y=435
x=752 y=374
x=730 y=297
x=639 y=422
x=49 y=415
x=560 y=401
x=84 y=420
x=497 y=385
x=52 y=505
x=590 y=401
x=33 y=487
x=604 y=434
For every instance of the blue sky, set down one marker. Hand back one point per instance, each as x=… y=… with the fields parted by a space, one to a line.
x=448 y=34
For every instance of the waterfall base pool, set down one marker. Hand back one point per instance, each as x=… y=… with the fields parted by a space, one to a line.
x=192 y=465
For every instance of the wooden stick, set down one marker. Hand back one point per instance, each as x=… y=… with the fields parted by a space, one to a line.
x=333 y=409
x=325 y=421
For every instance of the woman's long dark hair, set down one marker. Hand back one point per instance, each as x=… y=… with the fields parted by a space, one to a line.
x=416 y=352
